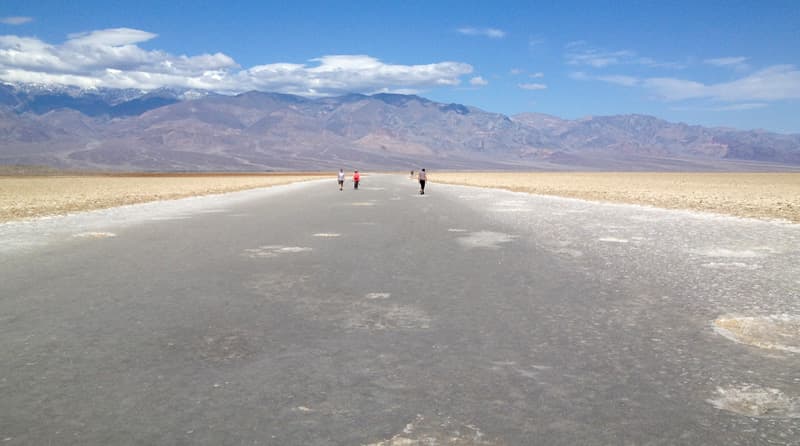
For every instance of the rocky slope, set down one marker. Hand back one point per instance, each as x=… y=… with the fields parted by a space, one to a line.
x=186 y=130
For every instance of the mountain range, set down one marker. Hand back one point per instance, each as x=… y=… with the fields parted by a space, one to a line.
x=187 y=130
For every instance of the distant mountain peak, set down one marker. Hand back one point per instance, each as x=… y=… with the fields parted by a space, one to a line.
x=168 y=129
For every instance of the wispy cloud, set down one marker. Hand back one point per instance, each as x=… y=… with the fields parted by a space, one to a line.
x=535 y=41
x=775 y=83
x=15 y=20
x=492 y=33
x=580 y=53
x=113 y=58
x=478 y=81
x=737 y=63
x=538 y=75
x=732 y=107
x=619 y=79
x=516 y=71
x=532 y=86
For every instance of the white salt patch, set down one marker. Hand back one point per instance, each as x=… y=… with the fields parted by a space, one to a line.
x=362 y=203
x=294 y=249
x=268 y=251
x=485 y=239
x=374 y=317
x=95 y=235
x=24 y=235
x=439 y=431
x=378 y=295
x=756 y=401
x=327 y=234
x=185 y=217
x=730 y=265
x=501 y=209
x=612 y=240
x=570 y=252
x=456 y=230
x=510 y=203
x=730 y=253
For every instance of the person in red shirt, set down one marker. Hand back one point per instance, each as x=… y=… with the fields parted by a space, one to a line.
x=356 y=179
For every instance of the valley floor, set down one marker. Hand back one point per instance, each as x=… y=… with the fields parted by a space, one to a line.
x=29 y=196
x=758 y=195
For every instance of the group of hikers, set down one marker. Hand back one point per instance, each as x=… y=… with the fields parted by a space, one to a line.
x=421 y=176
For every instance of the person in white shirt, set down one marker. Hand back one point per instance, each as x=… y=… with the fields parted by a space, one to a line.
x=341 y=178
x=422 y=178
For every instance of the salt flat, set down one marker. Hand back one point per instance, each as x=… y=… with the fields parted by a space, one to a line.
x=298 y=315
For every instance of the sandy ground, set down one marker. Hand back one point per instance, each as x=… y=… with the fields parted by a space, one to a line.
x=35 y=196
x=759 y=195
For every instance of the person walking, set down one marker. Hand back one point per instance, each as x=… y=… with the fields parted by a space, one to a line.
x=340 y=178
x=356 y=179
x=422 y=178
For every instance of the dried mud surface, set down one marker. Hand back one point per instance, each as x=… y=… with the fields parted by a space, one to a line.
x=29 y=196
x=755 y=195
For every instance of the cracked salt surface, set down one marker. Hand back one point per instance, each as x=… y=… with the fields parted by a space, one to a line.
x=438 y=430
x=374 y=296
x=756 y=401
x=268 y=251
x=613 y=240
x=666 y=273
x=485 y=239
x=94 y=235
x=25 y=235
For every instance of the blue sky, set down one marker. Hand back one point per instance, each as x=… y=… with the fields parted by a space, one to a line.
x=716 y=63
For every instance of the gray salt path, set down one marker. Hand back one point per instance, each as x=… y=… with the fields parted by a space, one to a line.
x=305 y=315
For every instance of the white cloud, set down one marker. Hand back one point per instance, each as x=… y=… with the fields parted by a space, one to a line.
x=726 y=61
x=737 y=63
x=775 y=83
x=732 y=107
x=535 y=41
x=112 y=58
x=778 y=82
x=478 y=81
x=532 y=86
x=580 y=53
x=492 y=33
x=17 y=20
x=618 y=79
x=516 y=71
x=538 y=75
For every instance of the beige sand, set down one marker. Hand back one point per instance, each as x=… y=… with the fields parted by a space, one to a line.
x=759 y=195
x=35 y=196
